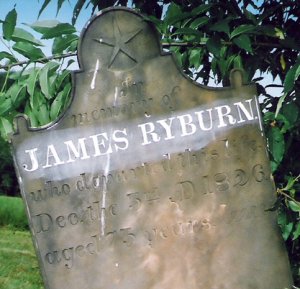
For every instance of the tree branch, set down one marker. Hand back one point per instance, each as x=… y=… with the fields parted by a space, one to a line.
x=40 y=60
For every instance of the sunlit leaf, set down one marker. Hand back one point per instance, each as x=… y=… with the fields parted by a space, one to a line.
x=59 y=102
x=9 y=24
x=4 y=54
x=195 y=57
x=31 y=84
x=6 y=127
x=295 y=207
x=23 y=35
x=64 y=77
x=44 y=78
x=36 y=100
x=5 y=105
x=28 y=50
x=33 y=120
x=42 y=114
x=279 y=33
x=43 y=26
x=62 y=43
x=17 y=93
x=282 y=62
x=58 y=30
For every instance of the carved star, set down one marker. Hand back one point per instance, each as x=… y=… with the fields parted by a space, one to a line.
x=119 y=42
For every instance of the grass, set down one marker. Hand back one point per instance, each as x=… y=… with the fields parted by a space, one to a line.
x=18 y=263
x=12 y=212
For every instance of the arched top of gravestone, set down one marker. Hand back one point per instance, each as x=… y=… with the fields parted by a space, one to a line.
x=117 y=39
x=120 y=54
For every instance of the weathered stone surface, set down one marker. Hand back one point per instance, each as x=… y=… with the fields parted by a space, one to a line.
x=150 y=180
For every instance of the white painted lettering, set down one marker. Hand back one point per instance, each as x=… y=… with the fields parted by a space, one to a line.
x=117 y=137
x=186 y=123
x=100 y=140
x=149 y=130
x=167 y=127
x=201 y=118
x=248 y=114
x=52 y=154
x=76 y=152
x=224 y=111
x=34 y=161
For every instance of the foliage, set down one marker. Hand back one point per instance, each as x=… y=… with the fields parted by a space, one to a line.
x=209 y=38
x=18 y=263
x=12 y=212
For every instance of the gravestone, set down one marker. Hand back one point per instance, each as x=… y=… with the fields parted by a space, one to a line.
x=149 y=180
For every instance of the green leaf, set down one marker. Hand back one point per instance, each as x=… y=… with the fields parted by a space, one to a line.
x=195 y=57
x=42 y=114
x=59 y=4
x=31 y=83
x=290 y=112
x=214 y=46
x=238 y=62
x=297 y=73
x=5 y=104
x=199 y=22
x=63 y=78
x=221 y=26
x=44 y=78
x=36 y=100
x=287 y=230
x=276 y=145
x=173 y=12
x=245 y=28
x=6 y=127
x=77 y=10
x=4 y=54
x=58 y=30
x=243 y=41
x=45 y=4
x=62 y=43
x=186 y=31
x=28 y=50
x=33 y=120
x=17 y=93
x=295 y=207
x=290 y=79
x=60 y=102
x=290 y=183
x=43 y=26
x=201 y=9
x=9 y=24
x=279 y=104
x=296 y=233
x=22 y=35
